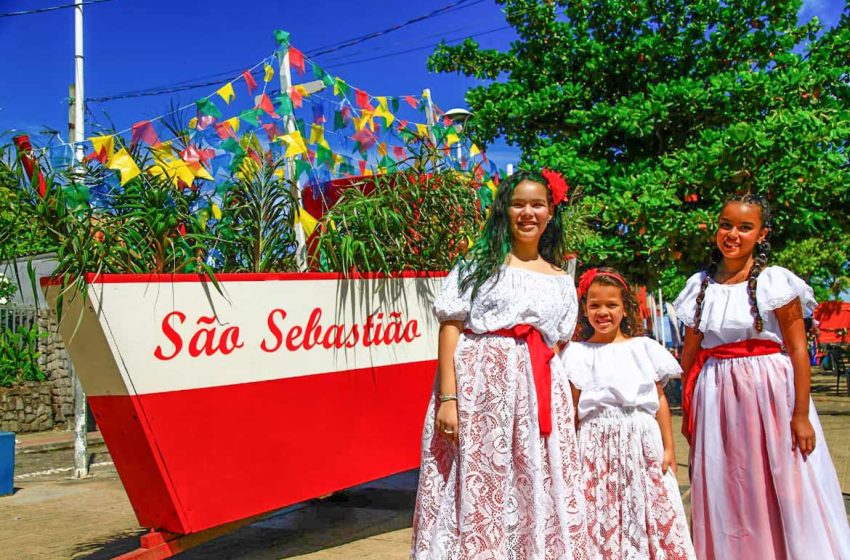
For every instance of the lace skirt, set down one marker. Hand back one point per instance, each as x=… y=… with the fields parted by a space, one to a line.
x=504 y=492
x=751 y=496
x=633 y=510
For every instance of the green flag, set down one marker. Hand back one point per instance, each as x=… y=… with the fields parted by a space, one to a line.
x=207 y=107
x=281 y=38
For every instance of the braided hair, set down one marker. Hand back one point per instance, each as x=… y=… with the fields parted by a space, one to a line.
x=760 y=259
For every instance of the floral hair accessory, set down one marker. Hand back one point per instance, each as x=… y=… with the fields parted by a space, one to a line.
x=557 y=185
x=586 y=279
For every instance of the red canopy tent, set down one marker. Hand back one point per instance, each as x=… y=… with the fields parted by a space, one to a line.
x=833 y=319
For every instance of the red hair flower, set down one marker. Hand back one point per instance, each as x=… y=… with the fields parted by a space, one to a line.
x=585 y=280
x=557 y=185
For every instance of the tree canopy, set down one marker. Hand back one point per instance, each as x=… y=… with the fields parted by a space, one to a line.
x=660 y=109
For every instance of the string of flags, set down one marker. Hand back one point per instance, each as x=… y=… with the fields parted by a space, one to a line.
x=342 y=131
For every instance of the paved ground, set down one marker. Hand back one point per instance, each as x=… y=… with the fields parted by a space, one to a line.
x=54 y=516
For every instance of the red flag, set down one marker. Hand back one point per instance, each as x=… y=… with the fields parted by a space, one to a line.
x=411 y=101
x=296 y=97
x=249 y=80
x=296 y=59
x=311 y=155
x=362 y=164
x=402 y=125
x=267 y=106
x=361 y=98
x=447 y=121
x=224 y=130
x=24 y=148
x=271 y=130
x=398 y=152
x=144 y=131
x=366 y=138
x=345 y=112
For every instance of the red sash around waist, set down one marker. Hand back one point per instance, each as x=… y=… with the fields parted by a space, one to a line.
x=741 y=349
x=541 y=354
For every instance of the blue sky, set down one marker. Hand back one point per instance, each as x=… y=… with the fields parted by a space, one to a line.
x=138 y=44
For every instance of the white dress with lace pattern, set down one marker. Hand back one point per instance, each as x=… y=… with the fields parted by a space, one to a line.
x=505 y=492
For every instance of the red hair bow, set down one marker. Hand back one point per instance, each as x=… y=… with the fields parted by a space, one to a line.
x=585 y=280
x=557 y=185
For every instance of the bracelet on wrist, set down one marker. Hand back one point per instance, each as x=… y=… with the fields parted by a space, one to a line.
x=446 y=398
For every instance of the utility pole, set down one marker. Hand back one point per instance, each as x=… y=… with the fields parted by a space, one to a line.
x=76 y=134
x=285 y=75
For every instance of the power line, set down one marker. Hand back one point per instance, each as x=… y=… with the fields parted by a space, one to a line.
x=184 y=86
x=50 y=9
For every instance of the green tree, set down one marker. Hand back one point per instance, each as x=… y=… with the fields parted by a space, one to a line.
x=660 y=109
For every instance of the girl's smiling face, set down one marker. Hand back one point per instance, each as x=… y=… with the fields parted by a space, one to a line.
x=604 y=309
x=739 y=228
x=529 y=212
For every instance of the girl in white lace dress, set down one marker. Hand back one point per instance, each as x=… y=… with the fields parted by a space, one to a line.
x=500 y=476
x=634 y=509
x=762 y=481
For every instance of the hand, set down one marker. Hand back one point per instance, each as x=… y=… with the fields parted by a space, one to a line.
x=669 y=461
x=446 y=423
x=802 y=434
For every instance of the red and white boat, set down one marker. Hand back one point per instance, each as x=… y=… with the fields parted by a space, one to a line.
x=218 y=407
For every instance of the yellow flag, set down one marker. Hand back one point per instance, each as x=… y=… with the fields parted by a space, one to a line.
x=307 y=221
x=492 y=186
x=200 y=172
x=383 y=110
x=422 y=130
x=234 y=123
x=269 y=72
x=452 y=139
x=337 y=82
x=317 y=136
x=366 y=117
x=295 y=143
x=193 y=122
x=302 y=90
x=123 y=162
x=474 y=151
x=216 y=211
x=226 y=92
x=382 y=149
x=105 y=144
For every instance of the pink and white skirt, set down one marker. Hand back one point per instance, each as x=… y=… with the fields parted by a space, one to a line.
x=633 y=509
x=751 y=495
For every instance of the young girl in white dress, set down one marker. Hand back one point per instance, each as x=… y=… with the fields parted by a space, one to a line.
x=500 y=477
x=634 y=509
x=762 y=481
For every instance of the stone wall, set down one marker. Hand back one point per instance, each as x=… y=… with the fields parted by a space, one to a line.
x=54 y=362
x=26 y=407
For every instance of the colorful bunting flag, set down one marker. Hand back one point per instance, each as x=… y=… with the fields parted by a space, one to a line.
x=249 y=81
x=104 y=147
x=361 y=99
x=251 y=116
x=281 y=38
x=268 y=72
x=295 y=95
x=226 y=92
x=207 y=108
x=473 y=150
x=411 y=101
x=307 y=221
x=296 y=59
x=144 y=131
x=123 y=162
x=266 y=105
x=295 y=143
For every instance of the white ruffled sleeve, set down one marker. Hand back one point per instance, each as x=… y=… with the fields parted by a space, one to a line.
x=686 y=303
x=779 y=286
x=665 y=366
x=450 y=304
x=567 y=326
x=573 y=359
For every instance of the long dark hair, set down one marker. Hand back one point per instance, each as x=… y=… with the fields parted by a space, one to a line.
x=490 y=250
x=631 y=324
x=760 y=260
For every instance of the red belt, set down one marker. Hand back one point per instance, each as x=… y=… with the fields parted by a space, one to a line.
x=541 y=354
x=741 y=349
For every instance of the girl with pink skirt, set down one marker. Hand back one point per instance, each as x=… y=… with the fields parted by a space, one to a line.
x=762 y=482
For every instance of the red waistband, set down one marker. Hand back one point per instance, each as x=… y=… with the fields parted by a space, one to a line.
x=541 y=354
x=740 y=349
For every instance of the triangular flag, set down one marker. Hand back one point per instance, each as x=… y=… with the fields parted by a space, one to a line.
x=104 y=147
x=422 y=130
x=384 y=111
x=411 y=101
x=382 y=149
x=296 y=59
x=123 y=162
x=249 y=81
x=295 y=143
x=361 y=99
x=207 y=107
x=284 y=104
x=365 y=138
x=234 y=123
x=281 y=38
x=318 y=113
x=339 y=122
x=452 y=139
x=224 y=130
x=268 y=72
x=394 y=104
x=307 y=221
x=226 y=92
x=193 y=122
x=341 y=88
x=250 y=116
x=295 y=95
x=474 y=151
x=145 y=132
x=398 y=152
x=317 y=135
x=324 y=155
x=266 y=105
x=271 y=130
